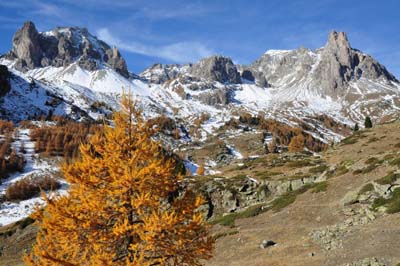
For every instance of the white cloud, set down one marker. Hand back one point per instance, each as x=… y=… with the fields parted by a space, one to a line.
x=179 y=52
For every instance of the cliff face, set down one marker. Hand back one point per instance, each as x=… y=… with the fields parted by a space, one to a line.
x=61 y=47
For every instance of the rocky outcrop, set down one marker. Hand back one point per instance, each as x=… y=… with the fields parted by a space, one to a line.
x=216 y=68
x=214 y=97
x=61 y=47
x=160 y=73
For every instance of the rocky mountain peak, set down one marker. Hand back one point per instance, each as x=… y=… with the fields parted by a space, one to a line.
x=26 y=45
x=61 y=47
x=216 y=68
x=338 y=46
x=340 y=64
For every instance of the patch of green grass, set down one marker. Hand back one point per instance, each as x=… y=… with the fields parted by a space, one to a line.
x=225 y=220
x=320 y=187
x=288 y=198
x=341 y=169
x=371 y=166
x=388 y=179
x=366 y=188
x=229 y=219
x=318 y=169
x=395 y=162
x=392 y=204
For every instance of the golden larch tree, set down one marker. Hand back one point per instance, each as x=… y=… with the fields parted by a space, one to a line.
x=296 y=144
x=124 y=206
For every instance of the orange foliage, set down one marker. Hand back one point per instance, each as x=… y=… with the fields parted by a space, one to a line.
x=62 y=139
x=123 y=207
x=296 y=144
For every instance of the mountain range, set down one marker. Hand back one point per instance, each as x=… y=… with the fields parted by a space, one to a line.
x=68 y=71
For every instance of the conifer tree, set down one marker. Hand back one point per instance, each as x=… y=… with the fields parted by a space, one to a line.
x=124 y=205
x=356 y=127
x=368 y=122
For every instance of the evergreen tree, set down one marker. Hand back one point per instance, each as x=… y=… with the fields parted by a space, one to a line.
x=367 y=122
x=356 y=127
x=123 y=207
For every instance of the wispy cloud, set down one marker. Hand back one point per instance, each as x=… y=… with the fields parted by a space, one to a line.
x=179 y=52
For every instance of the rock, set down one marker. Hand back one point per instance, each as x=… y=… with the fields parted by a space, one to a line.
x=26 y=46
x=216 y=68
x=160 y=73
x=247 y=75
x=230 y=200
x=214 y=97
x=382 y=190
x=267 y=243
x=296 y=184
x=62 y=47
x=283 y=188
x=350 y=198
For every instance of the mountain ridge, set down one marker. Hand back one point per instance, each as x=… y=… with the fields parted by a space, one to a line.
x=286 y=85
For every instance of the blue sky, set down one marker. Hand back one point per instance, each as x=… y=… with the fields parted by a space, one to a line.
x=174 y=31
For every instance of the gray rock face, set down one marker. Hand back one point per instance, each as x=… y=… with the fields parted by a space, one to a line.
x=61 y=47
x=216 y=68
x=340 y=63
x=328 y=70
x=160 y=73
x=26 y=45
x=215 y=97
